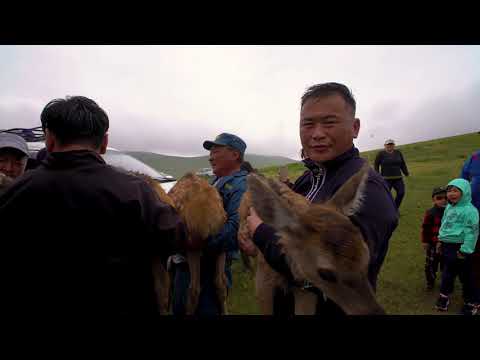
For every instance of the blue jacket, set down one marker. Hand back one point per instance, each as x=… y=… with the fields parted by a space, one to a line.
x=471 y=172
x=231 y=189
x=377 y=219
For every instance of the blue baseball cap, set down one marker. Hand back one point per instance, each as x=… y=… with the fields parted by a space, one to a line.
x=225 y=139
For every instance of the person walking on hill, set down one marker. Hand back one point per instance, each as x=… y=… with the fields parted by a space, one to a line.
x=391 y=164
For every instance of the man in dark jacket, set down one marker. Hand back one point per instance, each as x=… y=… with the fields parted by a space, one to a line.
x=327 y=129
x=88 y=232
x=391 y=164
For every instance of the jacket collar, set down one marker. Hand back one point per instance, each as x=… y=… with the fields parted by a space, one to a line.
x=72 y=159
x=331 y=164
x=220 y=181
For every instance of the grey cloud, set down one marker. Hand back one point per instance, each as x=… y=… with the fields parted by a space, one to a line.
x=439 y=116
x=19 y=116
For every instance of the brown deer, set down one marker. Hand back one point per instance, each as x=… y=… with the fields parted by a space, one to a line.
x=201 y=208
x=320 y=242
x=267 y=280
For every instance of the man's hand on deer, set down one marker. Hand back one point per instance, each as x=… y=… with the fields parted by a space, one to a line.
x=253 y=221
x=246 y=245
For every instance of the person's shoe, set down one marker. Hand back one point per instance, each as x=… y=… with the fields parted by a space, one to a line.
x=442 y=303
x=469 y=309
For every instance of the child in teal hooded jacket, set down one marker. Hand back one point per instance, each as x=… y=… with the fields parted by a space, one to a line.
x=458 y=235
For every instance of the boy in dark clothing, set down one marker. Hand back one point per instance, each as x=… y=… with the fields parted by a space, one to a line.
x=432 y=221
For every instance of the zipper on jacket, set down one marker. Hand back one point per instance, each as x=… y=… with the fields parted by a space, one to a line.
x=321 y=173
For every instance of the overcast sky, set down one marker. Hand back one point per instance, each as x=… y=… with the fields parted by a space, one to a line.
x=169 y=99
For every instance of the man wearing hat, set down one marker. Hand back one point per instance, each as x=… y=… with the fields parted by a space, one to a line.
x=392 y=166
x=13 y=158
x=226 y=157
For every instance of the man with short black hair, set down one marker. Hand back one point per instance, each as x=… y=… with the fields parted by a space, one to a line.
x=327 y=128
x=93 y=232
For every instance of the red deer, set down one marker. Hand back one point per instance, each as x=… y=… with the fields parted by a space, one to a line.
x=320 y=242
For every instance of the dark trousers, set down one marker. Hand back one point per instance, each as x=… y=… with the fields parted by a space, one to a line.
x=208 y=303
x=475 y=271
x=432 y=263
x=453 y=267
x=399 y=187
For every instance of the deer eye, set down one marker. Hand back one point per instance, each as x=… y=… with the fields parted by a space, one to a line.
x=327 y=275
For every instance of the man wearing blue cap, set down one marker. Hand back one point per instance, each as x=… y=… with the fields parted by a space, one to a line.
x=226 y=156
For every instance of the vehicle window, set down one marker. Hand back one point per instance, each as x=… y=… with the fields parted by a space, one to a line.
x=129 y=163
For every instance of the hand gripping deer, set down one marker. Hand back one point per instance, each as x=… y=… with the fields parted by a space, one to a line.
x=201 y=208
x=320 y=242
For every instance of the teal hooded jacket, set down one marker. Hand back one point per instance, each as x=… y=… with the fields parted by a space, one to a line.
x=460 y=221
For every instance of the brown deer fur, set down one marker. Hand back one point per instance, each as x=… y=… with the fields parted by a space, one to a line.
x=267 y=280
x=320 y=242
x=201 y=209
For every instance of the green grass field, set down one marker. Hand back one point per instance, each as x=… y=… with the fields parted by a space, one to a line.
x=401 y=287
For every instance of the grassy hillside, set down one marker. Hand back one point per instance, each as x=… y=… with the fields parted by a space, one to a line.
x=401 y=288
x=178 y=166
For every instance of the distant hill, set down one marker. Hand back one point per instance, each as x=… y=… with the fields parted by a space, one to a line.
x=178 y=166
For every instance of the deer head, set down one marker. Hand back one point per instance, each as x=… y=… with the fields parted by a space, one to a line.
x=321 y=244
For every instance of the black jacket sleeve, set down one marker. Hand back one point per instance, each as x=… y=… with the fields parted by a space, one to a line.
x=166 y=231
x=377 y=219
x=378 y=160
x=426 y=234
x=267 y=242
x=403 y=166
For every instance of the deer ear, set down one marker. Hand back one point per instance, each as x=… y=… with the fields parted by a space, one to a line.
x=349 y=198
x=271 y=208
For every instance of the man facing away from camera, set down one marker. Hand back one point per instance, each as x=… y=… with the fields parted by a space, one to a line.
x=87 y=233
